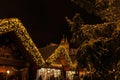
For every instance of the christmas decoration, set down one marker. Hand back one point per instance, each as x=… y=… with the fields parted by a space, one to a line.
x=98 y=44
x=15 y=25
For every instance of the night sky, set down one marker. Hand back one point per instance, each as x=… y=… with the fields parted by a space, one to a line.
x=44 y=19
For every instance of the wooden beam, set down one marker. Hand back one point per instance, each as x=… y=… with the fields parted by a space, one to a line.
x=12 y=62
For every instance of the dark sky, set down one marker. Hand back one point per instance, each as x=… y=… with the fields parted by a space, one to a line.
x=43 y=19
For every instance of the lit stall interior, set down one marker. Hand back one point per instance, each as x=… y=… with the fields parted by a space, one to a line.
x=47 y=73
x=70 y=75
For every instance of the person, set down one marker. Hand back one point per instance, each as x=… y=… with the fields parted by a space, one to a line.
x=85 y=77
x=40 y=78
x=76 y=77
x=81 y=77
x=68 y=78
x=52 y=77
x=13 y=78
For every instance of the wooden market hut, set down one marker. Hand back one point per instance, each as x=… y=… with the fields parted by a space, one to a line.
x=59 y=56
x=19 y=57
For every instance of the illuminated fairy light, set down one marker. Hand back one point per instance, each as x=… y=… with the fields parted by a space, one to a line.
x=14 y=24
x=8 y=71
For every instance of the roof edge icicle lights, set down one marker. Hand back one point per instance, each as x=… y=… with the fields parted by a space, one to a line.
x=15 y=25
x=62 y=50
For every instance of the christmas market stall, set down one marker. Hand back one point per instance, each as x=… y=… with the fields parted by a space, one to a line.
x=18 y=54
x=59 y=62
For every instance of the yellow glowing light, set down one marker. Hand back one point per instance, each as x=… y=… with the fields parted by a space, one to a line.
x=8 y=71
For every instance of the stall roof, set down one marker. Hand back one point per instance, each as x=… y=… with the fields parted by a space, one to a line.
x=48 y=50
x=14 y=25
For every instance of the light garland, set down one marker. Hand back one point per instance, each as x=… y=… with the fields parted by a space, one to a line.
x=62 y=50
x=15 y=25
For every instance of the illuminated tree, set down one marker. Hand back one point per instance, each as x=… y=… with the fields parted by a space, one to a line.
x=98 y=44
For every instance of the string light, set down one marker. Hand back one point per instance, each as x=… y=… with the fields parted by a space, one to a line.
x=8 y=71
x=14 y=24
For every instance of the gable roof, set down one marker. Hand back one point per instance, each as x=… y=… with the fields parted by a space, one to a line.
x=15 y=25
x=48 y=50
x=62 y=53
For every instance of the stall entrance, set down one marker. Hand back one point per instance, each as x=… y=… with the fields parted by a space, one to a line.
x=48 y=74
